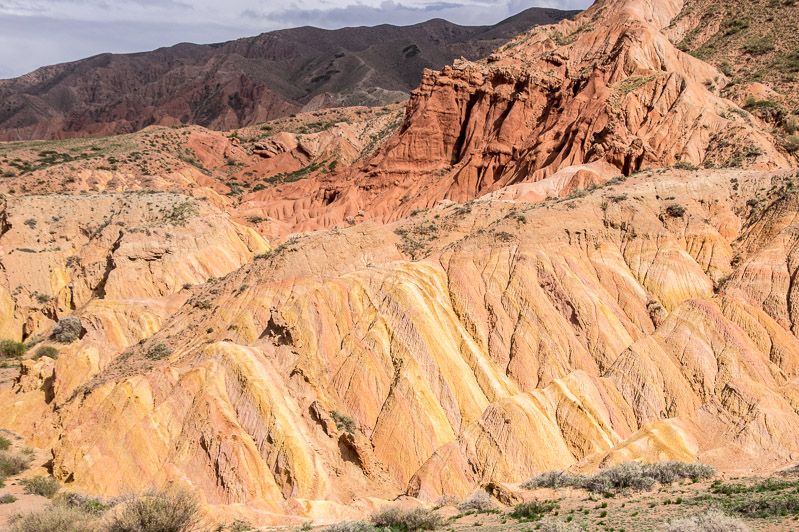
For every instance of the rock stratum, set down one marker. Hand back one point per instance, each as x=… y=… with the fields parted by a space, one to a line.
x=532 y=273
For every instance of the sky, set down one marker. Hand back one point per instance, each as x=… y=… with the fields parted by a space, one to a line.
x=35 y=33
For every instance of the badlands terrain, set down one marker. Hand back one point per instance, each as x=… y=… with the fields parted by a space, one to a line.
x=573 y=254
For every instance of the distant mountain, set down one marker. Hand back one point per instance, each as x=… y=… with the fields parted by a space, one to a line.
x=237 y=83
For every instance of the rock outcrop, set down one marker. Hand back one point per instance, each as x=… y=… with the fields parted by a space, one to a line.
x=572 y=316
x=608 y=87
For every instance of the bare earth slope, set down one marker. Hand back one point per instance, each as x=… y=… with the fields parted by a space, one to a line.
x=533 y=273
x=238 y=83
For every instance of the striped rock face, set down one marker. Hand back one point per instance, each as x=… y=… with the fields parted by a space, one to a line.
x=332 y=372
x=561 y=315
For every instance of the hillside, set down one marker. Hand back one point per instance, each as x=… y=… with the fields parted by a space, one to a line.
x=756 y=46
x=239 y=83
x=571 y=254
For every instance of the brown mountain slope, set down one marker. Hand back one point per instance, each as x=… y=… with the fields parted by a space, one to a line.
x=756 y=46
x=749 y=41
x=233 y=84
x=604 y=93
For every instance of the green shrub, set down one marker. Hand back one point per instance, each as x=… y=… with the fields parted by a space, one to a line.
x=44 y=486
x=174 y=510
x=685 y=165
x=764 y=505
x=707 y=521
x=759 y=46
x=343 y=421
x=5 y=443
x=7 y=498
x=240 y=525
x=182 y=212
x=533 y=510
x=733 y=26
x=56 y=517
x=94 y=507
x=788 y=62
x=407 y=520
x=676 y=210
x=67 y=330
x=158 y=352
x=46 y=351
x=12 y=349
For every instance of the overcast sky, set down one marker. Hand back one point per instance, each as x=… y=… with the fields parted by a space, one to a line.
x=35 y=33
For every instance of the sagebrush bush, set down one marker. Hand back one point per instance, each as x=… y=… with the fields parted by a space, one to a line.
x=67 y=330
x=5 y=443
x=44 y=486
x=554 y=479
x=447 y=500
x=627 y=476
x=672 y=471
x=46 y=351
x=56 y=517
x=480 y=500
x=173 y=510
x=707 y=521
x=351 y=526
x=13 y=463
x=7 y=498
x=398 y=518
x=632 y=476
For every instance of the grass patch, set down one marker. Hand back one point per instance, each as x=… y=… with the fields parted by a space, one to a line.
x=533 y=510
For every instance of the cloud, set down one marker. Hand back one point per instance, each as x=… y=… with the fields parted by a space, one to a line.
x=397 y=13
x=28 y=42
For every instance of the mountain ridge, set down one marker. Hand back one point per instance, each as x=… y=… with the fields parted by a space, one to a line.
x=237 y=83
